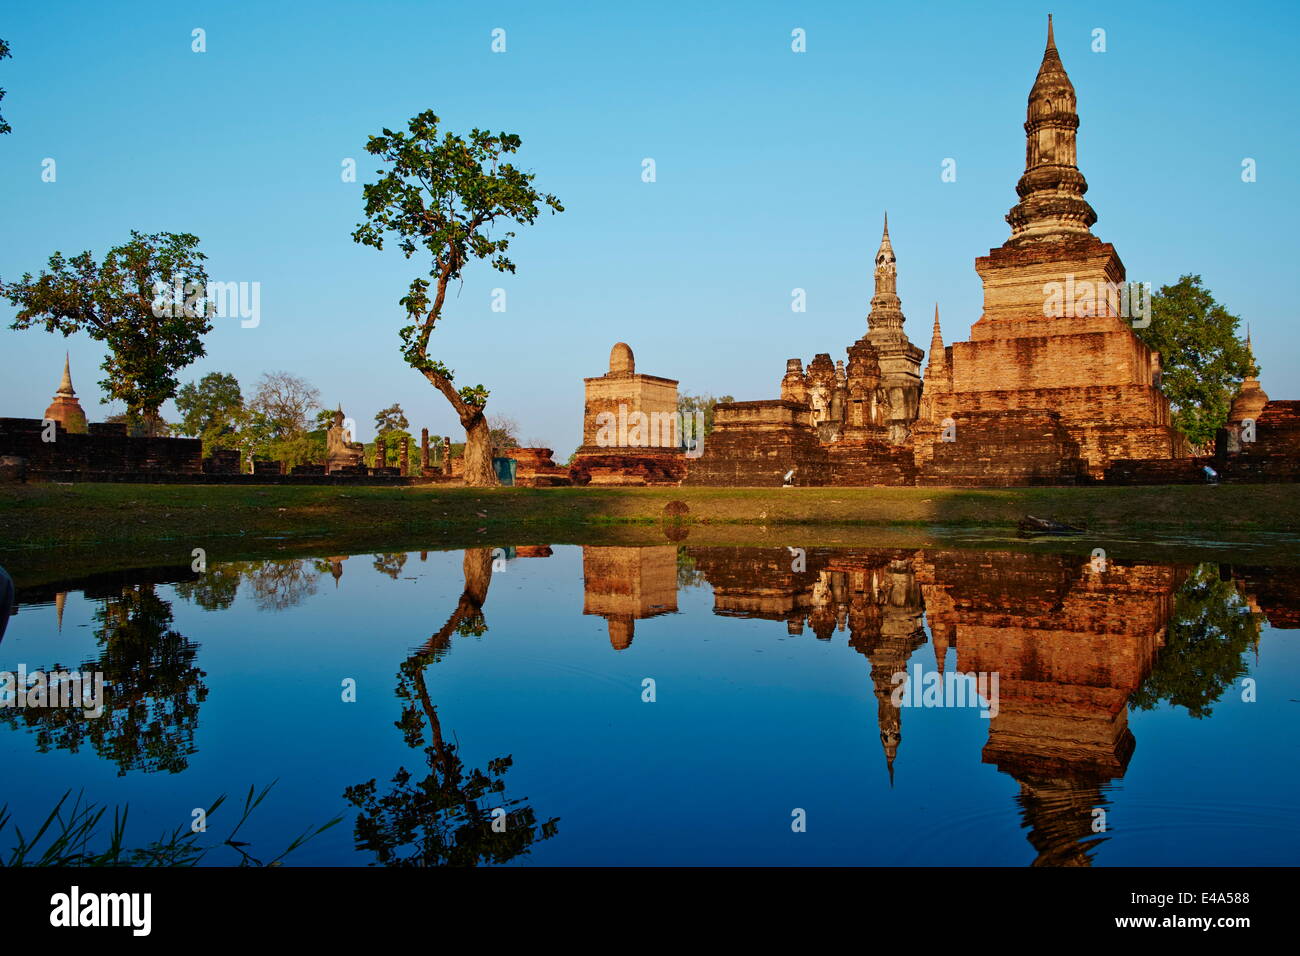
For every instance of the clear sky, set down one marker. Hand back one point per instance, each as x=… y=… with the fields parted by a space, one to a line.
x=773 y=170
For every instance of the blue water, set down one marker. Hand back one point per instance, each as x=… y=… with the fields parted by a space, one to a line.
x=750 y=723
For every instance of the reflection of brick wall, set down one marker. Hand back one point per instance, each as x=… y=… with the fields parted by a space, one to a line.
x=105 y=448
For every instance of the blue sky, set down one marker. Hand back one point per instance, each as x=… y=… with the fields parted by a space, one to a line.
x=773 y=169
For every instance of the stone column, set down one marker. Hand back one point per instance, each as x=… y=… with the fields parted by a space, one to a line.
x=446 y=454
x=404 y=456
x=424 y=451
x=381 y=459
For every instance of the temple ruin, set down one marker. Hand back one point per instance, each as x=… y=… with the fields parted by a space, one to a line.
x=631 y=431
x=836 y=423
x=1049 y=388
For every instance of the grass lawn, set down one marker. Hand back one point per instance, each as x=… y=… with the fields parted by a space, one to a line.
x=42 y=523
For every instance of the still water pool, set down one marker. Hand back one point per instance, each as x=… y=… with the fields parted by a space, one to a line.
x=679 y=705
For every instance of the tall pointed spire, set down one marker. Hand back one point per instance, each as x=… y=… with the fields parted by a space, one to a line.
x=886 y=317
x=1051 y=190
x=885 y=261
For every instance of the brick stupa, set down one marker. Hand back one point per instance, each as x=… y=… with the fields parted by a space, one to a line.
x=630 y=433
x=66 y=409
x=1041 y=393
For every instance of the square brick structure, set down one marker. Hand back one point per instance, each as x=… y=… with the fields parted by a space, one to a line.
x=630 y=427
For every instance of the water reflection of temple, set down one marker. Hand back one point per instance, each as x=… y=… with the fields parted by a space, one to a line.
x=870 y=593
x=1071 y=640
x=624 y=585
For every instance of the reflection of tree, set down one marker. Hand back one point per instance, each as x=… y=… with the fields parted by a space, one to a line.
x=152 y=691
x=390 y=564
x=687 y=575
x=447 y=818
x=283 y=583
x=214 y=589
x=1209 y=632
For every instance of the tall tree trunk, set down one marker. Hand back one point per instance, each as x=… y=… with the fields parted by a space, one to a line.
x=478 y=436
x=478 y=454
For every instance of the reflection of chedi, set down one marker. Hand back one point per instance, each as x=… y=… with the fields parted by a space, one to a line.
x=1070 y=642
x=872 y=594
x=624 y=585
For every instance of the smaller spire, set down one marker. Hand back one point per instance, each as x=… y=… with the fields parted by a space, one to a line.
x=936 y=363
x=65 y=386
x=1253 y=374
x=1051 y=58
x=885 y=244
x=940 y=648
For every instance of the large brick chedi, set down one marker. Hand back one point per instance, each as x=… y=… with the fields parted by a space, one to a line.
x=1054 y=335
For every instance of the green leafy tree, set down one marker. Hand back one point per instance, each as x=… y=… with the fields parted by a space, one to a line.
x=4 y=54
x=390 y=428
x=324 y=419
x=211 y=409
x=443 y=195
x=150 y=335
x=1203 y=362
x=688 y=405
x=256 y=436
x=136 y=424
